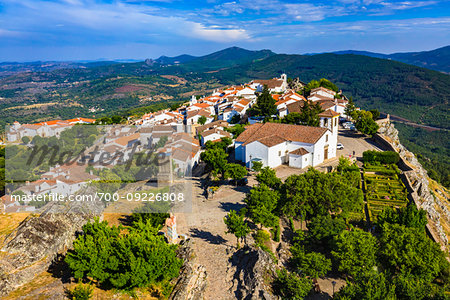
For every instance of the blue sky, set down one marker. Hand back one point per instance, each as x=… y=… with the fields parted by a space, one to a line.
x=119 y=29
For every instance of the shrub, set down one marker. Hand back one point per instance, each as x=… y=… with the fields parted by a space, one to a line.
x=291 y=286
x=384 y=157
x=257 y=166
x=276 y=232
x=82 y=292
x=261 y=236
x=139 y=258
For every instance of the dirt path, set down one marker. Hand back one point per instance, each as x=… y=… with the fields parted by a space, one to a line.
x=213 y=247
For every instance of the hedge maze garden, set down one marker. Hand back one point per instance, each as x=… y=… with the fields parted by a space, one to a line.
x=382 y=185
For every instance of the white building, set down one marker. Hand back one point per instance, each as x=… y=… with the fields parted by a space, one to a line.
x=324 y=92
x=214 y=134
x=275 y=85
x=299 y=146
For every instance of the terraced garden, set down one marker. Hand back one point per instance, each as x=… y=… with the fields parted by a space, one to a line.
x=383 y=188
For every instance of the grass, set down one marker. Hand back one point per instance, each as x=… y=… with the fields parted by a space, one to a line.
x=8 y=222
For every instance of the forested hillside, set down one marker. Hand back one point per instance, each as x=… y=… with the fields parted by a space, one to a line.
x=437 y=59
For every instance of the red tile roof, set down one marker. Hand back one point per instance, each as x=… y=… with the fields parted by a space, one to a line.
x=300 y=151
x=270 y=133
x=329 y=114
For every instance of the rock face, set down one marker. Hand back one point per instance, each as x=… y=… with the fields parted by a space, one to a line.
x=191 y=283
x=32 y=246
x=437 y=211
x=296 y=84
x=254 y=270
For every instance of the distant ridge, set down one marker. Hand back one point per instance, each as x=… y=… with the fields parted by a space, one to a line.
x=180 y=59
x=438 y=59
x=225 y=58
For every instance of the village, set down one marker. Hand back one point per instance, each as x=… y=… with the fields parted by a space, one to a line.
x=190 y=127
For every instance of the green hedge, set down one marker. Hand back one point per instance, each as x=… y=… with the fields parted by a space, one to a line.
x=384 y=157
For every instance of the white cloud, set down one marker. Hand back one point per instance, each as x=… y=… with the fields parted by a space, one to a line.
x=218 y=35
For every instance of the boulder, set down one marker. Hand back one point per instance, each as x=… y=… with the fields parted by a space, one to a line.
x=31 y=247
x=255 y=270
x=191 y=284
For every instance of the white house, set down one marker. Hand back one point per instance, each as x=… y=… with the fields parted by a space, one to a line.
x=321 y=91
x=214 y=134
x=246 y=92
x=193 y=116
x=275 y=144
x=275 y=85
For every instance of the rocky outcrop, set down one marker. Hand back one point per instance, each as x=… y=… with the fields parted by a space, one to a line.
x=419 y=181
x=255 y=270
x=32 y=246
x=191 y=283
x=295 y=84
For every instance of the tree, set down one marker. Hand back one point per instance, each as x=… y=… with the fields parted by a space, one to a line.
x=109 y=181
x=404 y=249
x=223 y=143
x=315 y=193
x=262 y=202
x=364 y=122
x=153 y=213
x=235 y=172
x=309 y=114
x=268 y=176
x=116 y=119
x=202 y=120
x=257 y=166
x=215 y=159
x=161 y=142
x=409 y=216
x=25 y=140
x=139 y=258
x=291 y=286
x=235 y=119
x=236 y=225
x=350 y=109
x=236 y=130
x=265 y=104
x=355 y=251
x=368 y=286
x=292 y=118
x=322 y=230
x=311 y=264
x=323 y=82
x=375 y=114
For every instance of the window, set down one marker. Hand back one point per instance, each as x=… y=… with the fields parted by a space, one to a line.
x=279 y=153
x=335 y=122
x=326 y=138
x=306 y=159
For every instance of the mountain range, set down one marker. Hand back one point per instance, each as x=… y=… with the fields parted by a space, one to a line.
x=438 y=59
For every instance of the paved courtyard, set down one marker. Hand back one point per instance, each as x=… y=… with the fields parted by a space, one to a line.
x=351 y=140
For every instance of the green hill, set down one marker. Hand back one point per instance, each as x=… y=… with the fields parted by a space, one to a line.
x=438 y=59
x=226 y=58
